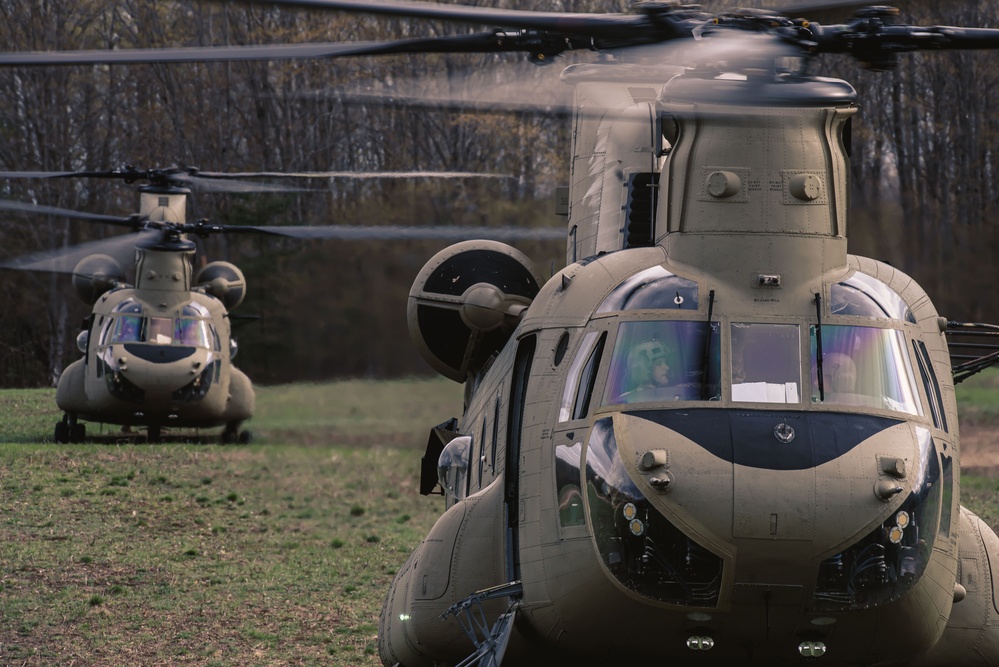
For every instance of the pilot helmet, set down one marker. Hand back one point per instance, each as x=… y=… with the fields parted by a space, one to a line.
x=646 y=352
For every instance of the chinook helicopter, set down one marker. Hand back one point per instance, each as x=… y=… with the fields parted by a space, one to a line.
x=715 y=437
x=158 y=353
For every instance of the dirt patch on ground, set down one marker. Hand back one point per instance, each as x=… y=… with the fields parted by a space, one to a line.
x=980 y=449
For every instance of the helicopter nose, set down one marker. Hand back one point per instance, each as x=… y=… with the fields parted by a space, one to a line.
x=160 y=354
x=701 y=496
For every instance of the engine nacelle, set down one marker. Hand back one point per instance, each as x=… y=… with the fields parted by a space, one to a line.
x=465 y=303
x=95 y=275
x=224 y=281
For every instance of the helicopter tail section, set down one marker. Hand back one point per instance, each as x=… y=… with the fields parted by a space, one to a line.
x=972 y=635
x=462 y=554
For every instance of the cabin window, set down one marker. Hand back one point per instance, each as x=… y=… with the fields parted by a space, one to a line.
x=654 y=288
x=865 y=367
x=864 y=296
x=766 y=363
x=947 y=509
x=664 y=360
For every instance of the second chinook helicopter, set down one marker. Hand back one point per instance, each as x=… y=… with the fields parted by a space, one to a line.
x=158 y=352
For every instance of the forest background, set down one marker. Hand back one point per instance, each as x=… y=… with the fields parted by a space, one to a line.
x=923 y=166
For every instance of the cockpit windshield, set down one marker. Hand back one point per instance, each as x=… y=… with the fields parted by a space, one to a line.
x=128 y=324
x=664 y=360
x=864 y=366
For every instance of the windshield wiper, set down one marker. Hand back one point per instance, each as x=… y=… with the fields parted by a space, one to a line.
x=818 y=346
x=705 y=366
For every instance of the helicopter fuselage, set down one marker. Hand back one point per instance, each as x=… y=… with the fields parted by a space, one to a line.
x=159 y=353
x=154 y=365
x=738 y=445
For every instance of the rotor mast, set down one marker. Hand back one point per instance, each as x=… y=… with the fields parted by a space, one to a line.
x=758 y=171
x=164 y=264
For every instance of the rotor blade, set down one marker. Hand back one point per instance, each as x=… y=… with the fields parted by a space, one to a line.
x=437 y=103
x=26 y=207
x=814 y=7
x=595 y=25
x=205 y=183
x=486 y=42
x=394 y=232
x=64 y=260
x=51 y=174
x=363 y=175
x=188 y=54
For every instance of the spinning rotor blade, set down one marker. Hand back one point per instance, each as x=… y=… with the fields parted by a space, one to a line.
x=486 y=42
x=187 y=178
x=216 y=181
x=363 y=175
x=594 y=25
x=393 y=232
x=64 y=260
x=867 y=36
x=25 y=207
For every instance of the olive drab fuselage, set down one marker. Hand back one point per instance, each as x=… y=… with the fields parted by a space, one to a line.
x=156 y=354
x=779 y=482
x=133 y=374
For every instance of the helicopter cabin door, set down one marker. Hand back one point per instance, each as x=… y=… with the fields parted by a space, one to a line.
x=515 y=424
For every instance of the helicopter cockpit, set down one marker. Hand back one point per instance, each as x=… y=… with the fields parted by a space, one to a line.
x=129 y=323
x=864 y=360
x=672 y=367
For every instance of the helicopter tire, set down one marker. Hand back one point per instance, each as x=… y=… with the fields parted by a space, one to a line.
x=61 y=432
x=232 y=435
x=153 y=433
x=77 y=433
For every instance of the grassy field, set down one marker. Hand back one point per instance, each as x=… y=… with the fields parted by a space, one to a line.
x=276 y=553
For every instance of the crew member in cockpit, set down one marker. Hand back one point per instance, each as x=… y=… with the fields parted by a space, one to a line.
x=649 y=376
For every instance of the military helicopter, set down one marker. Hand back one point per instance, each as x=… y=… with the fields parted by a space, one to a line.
x=159 y=353
x=715 y=437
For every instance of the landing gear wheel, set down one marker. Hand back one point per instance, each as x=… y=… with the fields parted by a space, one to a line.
x=153 y=433
x=231 y=434
x=62 y=432
x=77 y=433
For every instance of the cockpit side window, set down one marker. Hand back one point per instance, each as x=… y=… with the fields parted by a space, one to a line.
x=766 y=363
x=866 y=367
x=930 y=384
x=664 y=360
x=579 y=381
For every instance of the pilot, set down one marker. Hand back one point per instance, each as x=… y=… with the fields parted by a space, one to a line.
x=650 y=377
x=839 y=373
x=129 y=329
x=645 y=361
x=648 y=371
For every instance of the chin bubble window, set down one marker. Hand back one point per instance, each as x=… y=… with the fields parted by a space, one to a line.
x=452 y=468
